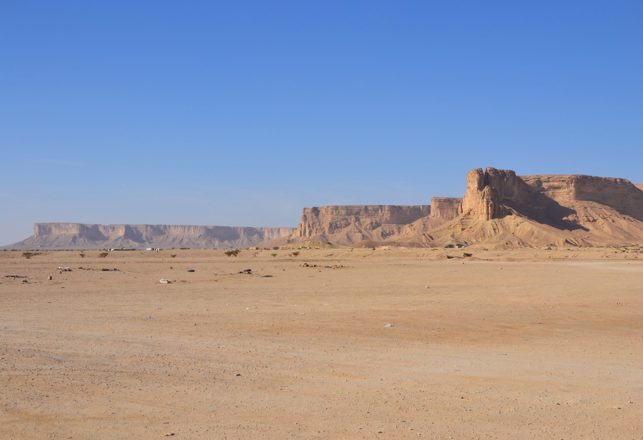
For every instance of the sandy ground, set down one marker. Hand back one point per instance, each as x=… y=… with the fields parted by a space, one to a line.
x=379 y=344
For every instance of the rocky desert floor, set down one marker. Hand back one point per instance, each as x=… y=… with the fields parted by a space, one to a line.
x=328 y=343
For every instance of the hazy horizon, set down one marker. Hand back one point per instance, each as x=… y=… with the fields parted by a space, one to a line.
x=222 y=114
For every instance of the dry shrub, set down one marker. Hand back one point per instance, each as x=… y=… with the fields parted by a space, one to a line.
x=103 y=254
x=232 y=252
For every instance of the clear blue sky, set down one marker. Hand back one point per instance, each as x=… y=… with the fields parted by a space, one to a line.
x=242 y=113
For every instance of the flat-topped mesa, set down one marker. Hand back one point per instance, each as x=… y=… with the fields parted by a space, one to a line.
x=493 y=193
x=619 y=194
x=92 y=236
x=444 y=209
x=357 y=221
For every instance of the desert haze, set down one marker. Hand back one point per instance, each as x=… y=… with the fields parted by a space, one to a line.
x=514 y=312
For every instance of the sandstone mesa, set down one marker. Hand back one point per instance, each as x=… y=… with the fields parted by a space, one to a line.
x=498 y=210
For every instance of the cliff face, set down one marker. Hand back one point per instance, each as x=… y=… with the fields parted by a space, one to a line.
x=444 y=209
x=499 y=208
x=88 y=236
x=619 y=194
x=353 y=224
x=493 y=193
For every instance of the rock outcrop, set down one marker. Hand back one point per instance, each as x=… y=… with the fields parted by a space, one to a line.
x=499 y=209
x=444 y=209
x=356 y=224
x=619 y=194
x=493 y=193
x=92 y=236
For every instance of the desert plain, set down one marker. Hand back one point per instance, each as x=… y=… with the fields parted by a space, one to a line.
x=323 y=343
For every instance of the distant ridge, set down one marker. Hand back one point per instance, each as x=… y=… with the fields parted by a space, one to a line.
x=498 y=210
x=94 y=236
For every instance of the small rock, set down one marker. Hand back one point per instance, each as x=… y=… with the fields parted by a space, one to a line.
x=50 y=278
x=165 y=281
x=191 y=270
x=389 y=325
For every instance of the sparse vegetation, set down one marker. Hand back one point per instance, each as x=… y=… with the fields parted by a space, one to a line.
x=82 y=255
x=173 y=255
x=274 y=254
x=28 y=255
x=232 y=252
x=103 y=254
x=294 y=253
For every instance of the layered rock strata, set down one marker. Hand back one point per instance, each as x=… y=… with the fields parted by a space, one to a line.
x=95 y=236
x=353 y=224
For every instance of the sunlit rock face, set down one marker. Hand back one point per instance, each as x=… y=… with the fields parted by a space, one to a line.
x=93 y=236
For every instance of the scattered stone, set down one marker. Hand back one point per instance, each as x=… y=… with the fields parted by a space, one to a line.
x=165 y=281
x=62 y=269
x=50 y=278
x=246 y=271
x=238 y=374
x=389 y=325
x=467 y=255
x=191 y=270
x=15 y=276
x=334 y=266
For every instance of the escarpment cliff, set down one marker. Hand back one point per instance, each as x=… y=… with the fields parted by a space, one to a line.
x=94 y=236
x=548 y=209
x=618 y=194
x=355 y=224
x=444 y=209
x=500 y=209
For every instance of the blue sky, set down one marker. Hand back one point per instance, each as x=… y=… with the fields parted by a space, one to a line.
x=241 y=113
